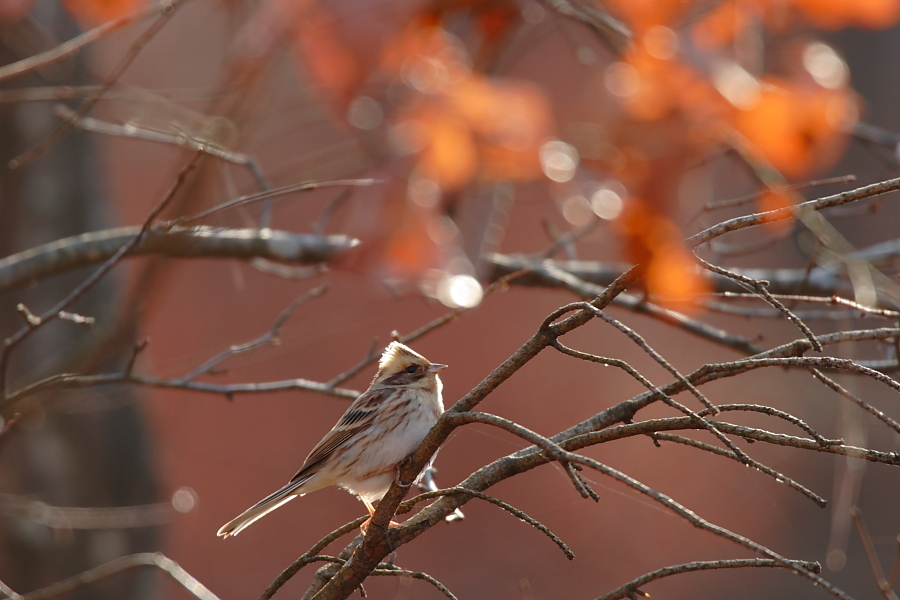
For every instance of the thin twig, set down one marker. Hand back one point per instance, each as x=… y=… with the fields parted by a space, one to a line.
x=796 y=187
x=269 y=337
x=182 y=140
x=856 y=400
x=762 y=288
x=834 y=300
x=744 y=563
x=883 y=585
x=304 y=186
x=59 y=517
x=396 y=572
x=789 y=212
x=772 y=412
x=407 y=505
x=779 y=477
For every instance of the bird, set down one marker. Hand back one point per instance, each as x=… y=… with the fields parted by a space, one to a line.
x=363 y=452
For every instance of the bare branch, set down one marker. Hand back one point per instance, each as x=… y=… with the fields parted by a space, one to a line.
x=789 y=212
x=269 y=337
x=632 y=586
x=407 y=505
x=779 y=477
x=145 y=559
x=172 y=242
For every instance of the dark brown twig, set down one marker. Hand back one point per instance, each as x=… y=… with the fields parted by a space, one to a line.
x=777 y=476
x=743 y=563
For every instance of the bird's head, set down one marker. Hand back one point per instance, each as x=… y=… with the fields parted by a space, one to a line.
x=402 y=366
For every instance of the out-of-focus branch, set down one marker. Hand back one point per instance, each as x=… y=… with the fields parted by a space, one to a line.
x=174 y=242
x=73 y=46
x=817 y=282
x=118 y=517
x=144 y=559
x=586 y=279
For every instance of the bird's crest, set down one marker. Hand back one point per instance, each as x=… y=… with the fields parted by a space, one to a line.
x=396 y=356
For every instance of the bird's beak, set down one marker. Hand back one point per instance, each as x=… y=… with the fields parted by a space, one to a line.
x=434 y=368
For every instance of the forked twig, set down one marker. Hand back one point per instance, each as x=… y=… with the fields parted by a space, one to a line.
x=269 y=337
x=762 y=289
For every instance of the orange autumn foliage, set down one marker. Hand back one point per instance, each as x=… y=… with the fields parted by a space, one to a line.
x=728 y=20
x=465 y=125
x=654 y=240
x=797 y=128
x=94 y=12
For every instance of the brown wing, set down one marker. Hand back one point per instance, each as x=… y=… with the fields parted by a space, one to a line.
x=358 y=417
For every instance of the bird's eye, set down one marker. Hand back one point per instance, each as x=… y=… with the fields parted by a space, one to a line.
x=411 y=369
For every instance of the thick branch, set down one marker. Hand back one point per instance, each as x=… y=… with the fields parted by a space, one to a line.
x=175 y=242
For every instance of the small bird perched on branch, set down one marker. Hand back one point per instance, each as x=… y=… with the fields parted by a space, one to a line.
x=364 y=451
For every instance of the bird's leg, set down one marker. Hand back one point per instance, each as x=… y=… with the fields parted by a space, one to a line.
x=365 y=526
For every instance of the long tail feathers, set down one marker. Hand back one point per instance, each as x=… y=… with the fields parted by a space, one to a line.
x=260 y=509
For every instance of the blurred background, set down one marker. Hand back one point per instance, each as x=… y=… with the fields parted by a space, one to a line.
x=498 y=126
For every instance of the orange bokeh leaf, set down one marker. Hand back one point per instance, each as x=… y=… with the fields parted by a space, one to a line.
x=93 y=12
x=466 y=125
x=654 y=240
x=730 y=18
x=773 y=199
x=797 y=128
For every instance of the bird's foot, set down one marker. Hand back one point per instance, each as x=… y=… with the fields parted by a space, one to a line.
x=365 y=526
